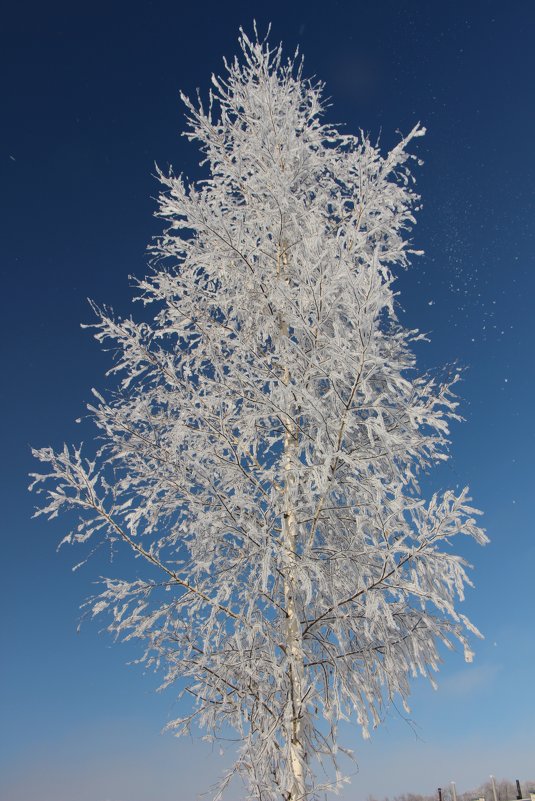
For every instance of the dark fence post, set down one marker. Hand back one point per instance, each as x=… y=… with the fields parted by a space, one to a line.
x=440 y=794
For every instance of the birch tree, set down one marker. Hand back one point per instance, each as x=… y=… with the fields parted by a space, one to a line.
x=260 y=453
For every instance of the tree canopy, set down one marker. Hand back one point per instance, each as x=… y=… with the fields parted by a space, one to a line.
x=261 y=451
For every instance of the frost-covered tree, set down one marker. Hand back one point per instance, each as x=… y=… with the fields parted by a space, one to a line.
x=261 y=452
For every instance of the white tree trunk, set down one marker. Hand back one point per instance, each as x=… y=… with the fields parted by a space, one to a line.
x=294 y=647
x=293 y=636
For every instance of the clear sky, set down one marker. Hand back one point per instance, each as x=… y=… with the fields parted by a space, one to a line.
x=89 y=103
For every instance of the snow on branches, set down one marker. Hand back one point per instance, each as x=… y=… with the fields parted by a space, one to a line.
x=261 y=451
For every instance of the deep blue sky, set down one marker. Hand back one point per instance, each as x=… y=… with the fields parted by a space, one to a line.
x=89 y=103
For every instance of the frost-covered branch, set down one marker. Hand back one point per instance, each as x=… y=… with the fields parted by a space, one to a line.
x=262 y=449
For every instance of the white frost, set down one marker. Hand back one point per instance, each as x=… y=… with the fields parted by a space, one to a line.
x=261 y=453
